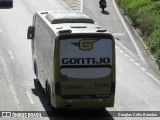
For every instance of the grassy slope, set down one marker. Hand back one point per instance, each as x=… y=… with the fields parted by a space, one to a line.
x=145 y=15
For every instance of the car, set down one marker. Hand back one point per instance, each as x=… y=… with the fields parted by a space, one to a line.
x=7 y=2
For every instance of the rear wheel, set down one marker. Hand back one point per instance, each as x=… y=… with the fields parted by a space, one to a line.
x=36 y=71
x=103 y=9
x=48 y=94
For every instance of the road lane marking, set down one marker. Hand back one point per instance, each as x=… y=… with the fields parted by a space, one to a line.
x=126 y=49
x=29 y=97
x=132 y=60
x=76 y=5
x=117 y=47
x=137 y=64
x=10 y=81
x=126 y=55
x=30 y=6
x=11 y=55
x=143 y=69
x=0 y=30
x=121 y=51
x=154 y=78
x=130 y=35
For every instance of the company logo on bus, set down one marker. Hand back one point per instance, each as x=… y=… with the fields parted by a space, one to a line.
x=85 y=44
x=82 y=61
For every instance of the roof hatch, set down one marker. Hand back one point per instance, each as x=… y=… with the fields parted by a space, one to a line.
x=56 y=17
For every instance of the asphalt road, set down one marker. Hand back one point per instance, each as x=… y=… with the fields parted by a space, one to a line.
x=137 y=87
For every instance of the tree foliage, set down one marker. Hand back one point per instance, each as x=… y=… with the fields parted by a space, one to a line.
x=145 y=15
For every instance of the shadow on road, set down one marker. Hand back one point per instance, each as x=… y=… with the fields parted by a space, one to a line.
x=105 y=12
x=66 y=114
x=38 y=91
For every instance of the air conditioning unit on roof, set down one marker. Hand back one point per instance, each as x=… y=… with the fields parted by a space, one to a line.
x=56 y=17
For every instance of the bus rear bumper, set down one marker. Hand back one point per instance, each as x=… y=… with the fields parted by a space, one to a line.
x=84 y=103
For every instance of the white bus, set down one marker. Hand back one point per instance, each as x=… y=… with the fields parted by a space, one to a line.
x=73 y=59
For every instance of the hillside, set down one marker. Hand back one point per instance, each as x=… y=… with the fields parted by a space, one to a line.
x=145 y=15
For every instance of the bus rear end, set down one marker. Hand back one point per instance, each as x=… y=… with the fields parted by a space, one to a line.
x=86 y=76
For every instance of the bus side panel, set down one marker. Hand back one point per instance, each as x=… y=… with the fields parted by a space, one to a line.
x=44 y=52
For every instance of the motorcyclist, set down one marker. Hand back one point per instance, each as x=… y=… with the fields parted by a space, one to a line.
x=102 y=1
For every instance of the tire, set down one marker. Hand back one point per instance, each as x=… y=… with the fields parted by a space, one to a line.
x=36 y=71
x=35 y=68
x=48 y=94
x=102 y=9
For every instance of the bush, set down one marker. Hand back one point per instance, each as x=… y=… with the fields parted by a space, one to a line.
x=148 y=24
x=153 y=43
x=145 y=14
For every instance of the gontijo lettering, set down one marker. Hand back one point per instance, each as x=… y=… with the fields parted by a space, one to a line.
x=85 y=61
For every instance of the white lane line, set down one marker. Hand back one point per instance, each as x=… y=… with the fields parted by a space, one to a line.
x=143 y=69
x=10 y=81
x=137 y=64
x=117 y=47
x=29 y=97
x=132 y=60
x=11 y=55
x=126 y=55
x=130 y=35
x=0 y=30
x=121 y=51
x=154 y=78
x=127 y=50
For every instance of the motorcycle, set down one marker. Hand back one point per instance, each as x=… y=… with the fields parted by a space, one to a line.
x=102 y=5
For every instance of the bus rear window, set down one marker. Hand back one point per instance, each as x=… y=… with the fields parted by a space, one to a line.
x=86 y=58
